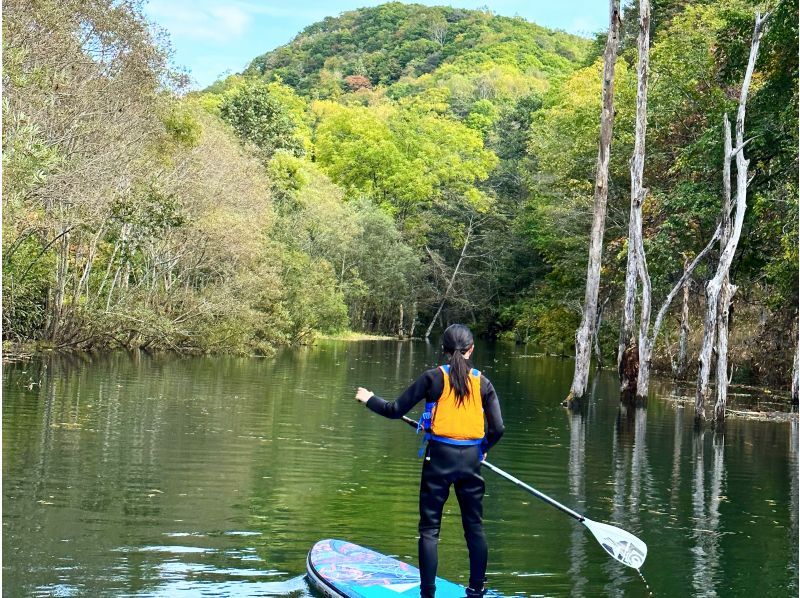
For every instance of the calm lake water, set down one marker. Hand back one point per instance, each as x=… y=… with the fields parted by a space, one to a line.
x=162 y=476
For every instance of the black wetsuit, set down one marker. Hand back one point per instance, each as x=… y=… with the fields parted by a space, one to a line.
x=448 y=465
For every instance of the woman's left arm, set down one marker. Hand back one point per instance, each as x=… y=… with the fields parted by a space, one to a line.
x=494 y=418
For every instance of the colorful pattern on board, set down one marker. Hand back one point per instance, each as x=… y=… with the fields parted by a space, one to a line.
x=339 y=561
x=353 y=571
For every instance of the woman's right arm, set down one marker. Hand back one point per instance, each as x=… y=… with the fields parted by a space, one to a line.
x=419 y=390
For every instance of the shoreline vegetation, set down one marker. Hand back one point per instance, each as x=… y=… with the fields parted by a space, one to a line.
x=14 y=352
x=361 y=336
x=767 y=406
x=389 y=170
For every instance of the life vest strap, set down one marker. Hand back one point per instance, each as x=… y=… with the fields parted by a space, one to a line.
x=446 y=369
x=456 y=441
x=426 y=419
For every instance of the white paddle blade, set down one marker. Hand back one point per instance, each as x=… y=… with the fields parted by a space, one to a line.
x=623 y=546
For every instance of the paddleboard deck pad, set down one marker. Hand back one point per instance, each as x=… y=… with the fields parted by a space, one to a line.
x=343 y=569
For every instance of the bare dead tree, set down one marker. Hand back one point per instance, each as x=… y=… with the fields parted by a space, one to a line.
x=400 y=329
x=467 y=239
x=647 y=337
x=718 y=291
x=438 y=31
x=588 y=325
x=636 y=264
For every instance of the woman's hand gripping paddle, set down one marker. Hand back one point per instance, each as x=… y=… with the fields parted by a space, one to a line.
x=621 y=545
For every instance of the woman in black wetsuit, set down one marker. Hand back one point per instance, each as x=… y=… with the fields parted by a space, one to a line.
x=457 y=398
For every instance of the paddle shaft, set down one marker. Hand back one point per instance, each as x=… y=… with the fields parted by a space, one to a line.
x=540 y=495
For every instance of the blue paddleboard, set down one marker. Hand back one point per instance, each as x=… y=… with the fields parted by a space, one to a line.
x=338 y=568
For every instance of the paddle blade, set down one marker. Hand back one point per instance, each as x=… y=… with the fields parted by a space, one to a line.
x=623 y=546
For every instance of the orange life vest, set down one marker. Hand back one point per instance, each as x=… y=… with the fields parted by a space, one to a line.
x=451 y=421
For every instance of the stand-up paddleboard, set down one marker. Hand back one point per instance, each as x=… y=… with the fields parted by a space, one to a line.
x=342 y=569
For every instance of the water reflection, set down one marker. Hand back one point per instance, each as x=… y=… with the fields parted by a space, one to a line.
x=677 y=444
x=155 y=475
x=706 y=515
x=577 y=476
x=794 y=438
x=631 y=472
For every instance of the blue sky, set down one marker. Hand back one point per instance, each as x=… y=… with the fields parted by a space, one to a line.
x=212 y=37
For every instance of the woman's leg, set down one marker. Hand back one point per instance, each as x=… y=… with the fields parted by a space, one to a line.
x=433 y=492
x=469 y=491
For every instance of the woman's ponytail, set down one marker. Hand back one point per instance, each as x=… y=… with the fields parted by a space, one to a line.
x=456 y=341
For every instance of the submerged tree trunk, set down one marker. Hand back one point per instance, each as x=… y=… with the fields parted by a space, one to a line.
x=627 y=355
x=726 y=293
x=726 y=290
x=715 y=287
x=718 y=290
x=647 y=337
x=586 y=330
x=638 y=194
x=742 y=182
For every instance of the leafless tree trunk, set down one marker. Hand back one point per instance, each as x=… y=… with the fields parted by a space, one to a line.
x=717 y=290
x=710 y=325
x=726 y=290
x=400 y=325
x=583 y=337
x=452 y=280
x=726 y=293
x=626 y=354
x=636 y=257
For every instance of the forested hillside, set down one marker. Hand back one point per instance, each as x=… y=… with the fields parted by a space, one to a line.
x=466 y=51
x=389 y=169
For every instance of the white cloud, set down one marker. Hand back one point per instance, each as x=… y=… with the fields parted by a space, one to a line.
x=216 y=21
x=203 y=21
x=276 y=11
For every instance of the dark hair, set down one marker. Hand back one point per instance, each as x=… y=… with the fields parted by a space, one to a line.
x=456 y=341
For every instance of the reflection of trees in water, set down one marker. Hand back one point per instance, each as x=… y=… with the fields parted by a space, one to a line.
x=793 y=502
x=577 y=470
x=577 y=476
x=82 y=414
x=85 y=442
x=705 y=511
x=676 y=461
x=629 y=455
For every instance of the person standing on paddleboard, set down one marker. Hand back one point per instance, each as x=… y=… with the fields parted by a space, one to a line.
x=457 y=398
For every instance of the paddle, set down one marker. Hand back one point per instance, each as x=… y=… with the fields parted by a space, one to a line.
x=623 y=546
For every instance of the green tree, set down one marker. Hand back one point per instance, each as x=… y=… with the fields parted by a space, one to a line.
x=257 y=114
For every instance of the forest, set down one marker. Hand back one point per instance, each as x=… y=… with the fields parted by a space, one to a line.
x=391 y=170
